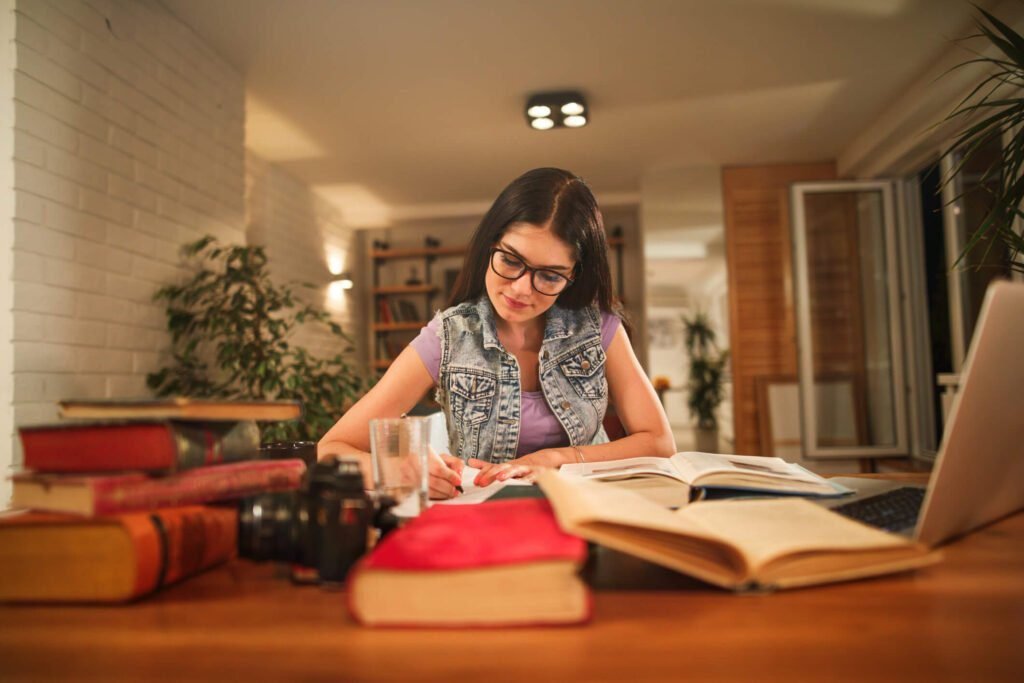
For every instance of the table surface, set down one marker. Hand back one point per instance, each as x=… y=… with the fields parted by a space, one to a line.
x=960 y=620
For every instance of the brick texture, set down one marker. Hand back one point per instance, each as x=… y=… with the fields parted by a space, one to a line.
x=128 y=140
x=305 y=238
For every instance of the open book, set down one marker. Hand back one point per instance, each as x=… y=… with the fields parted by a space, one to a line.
x=736 y=544
x=693 y=476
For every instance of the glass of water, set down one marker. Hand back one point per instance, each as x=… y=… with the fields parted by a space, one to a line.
x=399 y=451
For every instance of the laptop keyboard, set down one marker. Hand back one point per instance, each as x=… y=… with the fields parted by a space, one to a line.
x=894 y=510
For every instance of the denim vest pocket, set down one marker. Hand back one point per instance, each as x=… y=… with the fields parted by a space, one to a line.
x=472 y=394
x=584 y=369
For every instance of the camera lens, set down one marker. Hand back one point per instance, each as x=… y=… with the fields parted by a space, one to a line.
x=324 y=525
x=274 y=526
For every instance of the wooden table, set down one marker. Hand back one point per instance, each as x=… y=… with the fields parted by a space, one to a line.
x=962 y=620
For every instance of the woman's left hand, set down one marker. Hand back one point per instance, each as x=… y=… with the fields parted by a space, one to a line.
x=523 y=467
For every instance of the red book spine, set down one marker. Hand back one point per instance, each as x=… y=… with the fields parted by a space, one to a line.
x=113 y=495
x=146 y=446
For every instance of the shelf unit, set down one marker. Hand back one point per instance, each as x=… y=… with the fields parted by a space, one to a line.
x=393 y=325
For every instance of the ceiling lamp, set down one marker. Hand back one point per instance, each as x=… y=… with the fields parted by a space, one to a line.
x=563 y=109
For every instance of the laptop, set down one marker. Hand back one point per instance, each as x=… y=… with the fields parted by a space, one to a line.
x=978 y=475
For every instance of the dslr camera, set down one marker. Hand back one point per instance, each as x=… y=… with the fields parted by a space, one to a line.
x=322 y=528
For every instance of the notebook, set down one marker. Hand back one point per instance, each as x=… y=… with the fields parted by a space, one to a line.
x=979 y=472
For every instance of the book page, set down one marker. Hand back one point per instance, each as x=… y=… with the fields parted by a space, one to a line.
x=712 y=469
x=620 y=469
x=728 y=543
x=625 y=521
x=579 y=501
x=765 y=529
x=471 y=493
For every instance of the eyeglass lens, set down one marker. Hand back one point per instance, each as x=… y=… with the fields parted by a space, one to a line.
x=511 y=267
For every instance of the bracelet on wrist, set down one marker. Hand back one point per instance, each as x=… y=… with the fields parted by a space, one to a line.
x=579 y=454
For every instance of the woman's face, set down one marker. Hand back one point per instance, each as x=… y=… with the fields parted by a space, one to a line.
x=516 y=301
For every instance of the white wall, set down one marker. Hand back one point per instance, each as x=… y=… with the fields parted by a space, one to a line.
x=7 y=436
x=128 y=140
x=307 y=241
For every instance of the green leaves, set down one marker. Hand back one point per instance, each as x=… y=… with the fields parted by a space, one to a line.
x=230 y=326
x=994 y=110
x=707 y=370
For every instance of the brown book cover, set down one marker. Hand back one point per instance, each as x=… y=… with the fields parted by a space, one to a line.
x=145 y=446
x=92 y=495
x=47 y=557
x=180 y=408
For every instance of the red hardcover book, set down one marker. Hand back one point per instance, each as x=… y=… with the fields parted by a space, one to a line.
x=93 y=495
x=145 y=446
x=52 y=557
x=505 y=563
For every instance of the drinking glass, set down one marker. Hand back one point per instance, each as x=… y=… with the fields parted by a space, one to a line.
x=398 y=448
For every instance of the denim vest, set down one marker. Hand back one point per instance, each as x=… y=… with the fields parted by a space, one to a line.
x=478 y=380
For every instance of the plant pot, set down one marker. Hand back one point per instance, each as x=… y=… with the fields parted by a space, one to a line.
x=706 y=440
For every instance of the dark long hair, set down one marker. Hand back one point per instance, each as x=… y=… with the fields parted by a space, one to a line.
x=538 y=197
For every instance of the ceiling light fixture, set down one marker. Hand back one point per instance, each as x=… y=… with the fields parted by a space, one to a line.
x=565 y=108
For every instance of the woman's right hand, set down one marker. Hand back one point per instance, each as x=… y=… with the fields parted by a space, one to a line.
x=445 y=472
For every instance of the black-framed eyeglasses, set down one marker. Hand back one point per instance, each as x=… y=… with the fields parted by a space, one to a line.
x=509 y=266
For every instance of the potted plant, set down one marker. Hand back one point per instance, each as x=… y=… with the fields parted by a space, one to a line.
x=995 y=107
x=231 y=330
x=706 y=379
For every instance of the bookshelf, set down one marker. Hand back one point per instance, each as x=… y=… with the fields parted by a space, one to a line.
x=407 y=287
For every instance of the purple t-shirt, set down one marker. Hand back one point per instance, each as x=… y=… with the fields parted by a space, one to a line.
x=539 y=427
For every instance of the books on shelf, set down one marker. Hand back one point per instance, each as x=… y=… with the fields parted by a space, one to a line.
x=735 y=544
x=498 y=564
x=689 y=476
x=103 y=494
x=51 y=557
x=146 y=446
x=180 y=408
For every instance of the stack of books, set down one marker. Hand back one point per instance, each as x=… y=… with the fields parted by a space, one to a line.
x=115 y=507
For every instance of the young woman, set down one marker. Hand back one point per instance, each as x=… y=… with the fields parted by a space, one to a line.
x=529 y=355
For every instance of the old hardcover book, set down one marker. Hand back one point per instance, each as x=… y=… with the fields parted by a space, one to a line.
x=735 y=544
x=51 y=557
x=180 y=408
x=693 y=476
x=146 y=446
x=92 y=495
x=495 y=564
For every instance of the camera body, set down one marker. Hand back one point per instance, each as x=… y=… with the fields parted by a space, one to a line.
x=324 y=526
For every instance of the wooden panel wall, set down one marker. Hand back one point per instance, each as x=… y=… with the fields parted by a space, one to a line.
x=759 y=261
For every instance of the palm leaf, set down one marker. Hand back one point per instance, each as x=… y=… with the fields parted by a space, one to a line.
x=998 y=114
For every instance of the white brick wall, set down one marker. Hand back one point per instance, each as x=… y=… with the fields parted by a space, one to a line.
x=304 y=236
x=8 y=207
x=128 y=140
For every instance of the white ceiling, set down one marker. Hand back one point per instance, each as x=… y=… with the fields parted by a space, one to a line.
x=414 y=107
